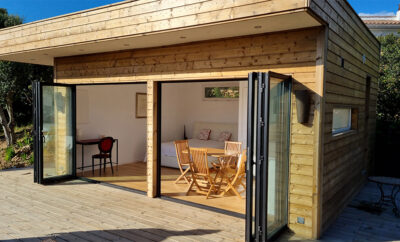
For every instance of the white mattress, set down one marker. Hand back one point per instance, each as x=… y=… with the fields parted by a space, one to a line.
x=168 y=154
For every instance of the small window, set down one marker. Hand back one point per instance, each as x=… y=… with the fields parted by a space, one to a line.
x=344 y=119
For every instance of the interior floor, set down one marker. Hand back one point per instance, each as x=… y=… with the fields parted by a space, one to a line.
x=133 y=175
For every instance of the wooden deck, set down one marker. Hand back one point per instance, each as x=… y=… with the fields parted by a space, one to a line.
x=81 y=211
x=360 y=222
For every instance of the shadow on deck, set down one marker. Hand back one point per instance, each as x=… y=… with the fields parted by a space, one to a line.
x=122 y=235
x=361 y=220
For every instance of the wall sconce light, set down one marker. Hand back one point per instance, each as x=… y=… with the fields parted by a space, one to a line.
x=303 y=103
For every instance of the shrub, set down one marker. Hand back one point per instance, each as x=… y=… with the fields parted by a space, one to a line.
x=31 y=159
x=27 y=139
x=9 y=154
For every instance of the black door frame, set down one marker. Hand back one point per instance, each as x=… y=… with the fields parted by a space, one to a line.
x=258 y=121
x=37 y=89
x=37 y=124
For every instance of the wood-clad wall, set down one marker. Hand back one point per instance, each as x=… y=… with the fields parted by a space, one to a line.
x=292 y=52
x=346 y=157
x=131 y=18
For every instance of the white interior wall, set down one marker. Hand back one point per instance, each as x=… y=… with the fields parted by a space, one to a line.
x=242 y=118
x=109 y=110
x=183 y=104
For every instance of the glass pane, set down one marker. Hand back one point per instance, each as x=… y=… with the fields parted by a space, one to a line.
x=278 y=156
x=341 y=119
x=57 y=131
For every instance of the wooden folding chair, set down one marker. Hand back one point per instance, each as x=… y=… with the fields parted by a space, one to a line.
x=233 y=149
x=183 y=157
x=201 y=173
x=234 y=181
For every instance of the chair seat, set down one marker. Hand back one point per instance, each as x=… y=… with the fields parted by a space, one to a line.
x=101 y=156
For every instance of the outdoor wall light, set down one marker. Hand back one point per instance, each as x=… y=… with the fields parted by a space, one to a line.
x=303 y=103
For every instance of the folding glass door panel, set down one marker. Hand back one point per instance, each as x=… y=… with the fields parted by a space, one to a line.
x=54 y=121
x=268 y=154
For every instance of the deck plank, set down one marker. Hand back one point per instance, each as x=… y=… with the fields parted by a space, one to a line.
x=356 y=224
x=81 y=211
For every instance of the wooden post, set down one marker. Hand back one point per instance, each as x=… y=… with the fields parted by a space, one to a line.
x=152 y=99
x=322 y=45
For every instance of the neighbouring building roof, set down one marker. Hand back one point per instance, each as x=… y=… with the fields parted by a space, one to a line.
x=383 y=25
x=381 y=22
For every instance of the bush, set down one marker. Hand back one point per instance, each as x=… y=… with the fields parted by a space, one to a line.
x=27 y=139
x=388 y=108
x=31 y=159
x=9 y=154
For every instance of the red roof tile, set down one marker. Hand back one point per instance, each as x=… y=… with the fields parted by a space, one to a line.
x=383 y=22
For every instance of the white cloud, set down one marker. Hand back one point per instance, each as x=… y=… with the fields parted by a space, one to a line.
x=382 y=13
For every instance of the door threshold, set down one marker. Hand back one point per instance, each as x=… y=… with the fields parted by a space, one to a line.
x=112 y=185
x=205 y=207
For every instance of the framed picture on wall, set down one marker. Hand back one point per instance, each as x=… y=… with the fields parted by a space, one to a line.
x=221 y=91
x=141 y=105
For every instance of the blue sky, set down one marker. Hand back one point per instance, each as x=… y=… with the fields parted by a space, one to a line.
x=381 y=7
x=32 y=10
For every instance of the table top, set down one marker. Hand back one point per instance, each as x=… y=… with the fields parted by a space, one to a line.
x=215 y=152
x=385 y=180
x=90 y=141
x=211 y=151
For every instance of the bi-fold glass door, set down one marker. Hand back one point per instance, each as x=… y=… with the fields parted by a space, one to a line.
x=54 y=129
x=268 y=154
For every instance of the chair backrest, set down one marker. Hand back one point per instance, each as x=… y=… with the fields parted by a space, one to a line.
x=106 y=144
x=233 y=148
x=199 y=160
x=241 y=166
x=182 y=151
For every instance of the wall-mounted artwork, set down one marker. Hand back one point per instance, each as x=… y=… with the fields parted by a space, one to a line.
x=221 y=92
x=141 y=105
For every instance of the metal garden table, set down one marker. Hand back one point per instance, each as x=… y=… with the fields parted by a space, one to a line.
x=389 y=181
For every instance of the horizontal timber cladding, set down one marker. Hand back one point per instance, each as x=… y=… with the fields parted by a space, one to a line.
x=131 y=18
x=292 y=52
x=285 y=52
x=346 y=157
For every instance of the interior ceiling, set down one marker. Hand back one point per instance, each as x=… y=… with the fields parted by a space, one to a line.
x=264 y=24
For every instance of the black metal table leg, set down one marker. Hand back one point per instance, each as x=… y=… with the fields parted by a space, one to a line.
x=395 y=191
x=382 y=199
x=117 y=153
x=83 y=153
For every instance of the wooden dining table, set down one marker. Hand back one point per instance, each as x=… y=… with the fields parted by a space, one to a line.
x=217 y=153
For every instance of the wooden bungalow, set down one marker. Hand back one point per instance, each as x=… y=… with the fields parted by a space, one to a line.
x=306 y=71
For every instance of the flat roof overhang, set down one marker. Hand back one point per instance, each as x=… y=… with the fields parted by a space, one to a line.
x=46 y=48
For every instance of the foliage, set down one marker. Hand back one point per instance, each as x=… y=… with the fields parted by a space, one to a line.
x=7 y=20
x=31 y=159
x=27 y=139
x=388 y=106
x=15 y=86
x=222 y=92
x=9 y=154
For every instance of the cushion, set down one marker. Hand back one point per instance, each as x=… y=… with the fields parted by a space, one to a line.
x=204 y=134
x=224 y=136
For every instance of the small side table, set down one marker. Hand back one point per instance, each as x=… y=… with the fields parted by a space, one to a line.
x=389 y=181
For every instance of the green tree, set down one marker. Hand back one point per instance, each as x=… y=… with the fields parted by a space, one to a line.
x=15 y=84
x=388 y=106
